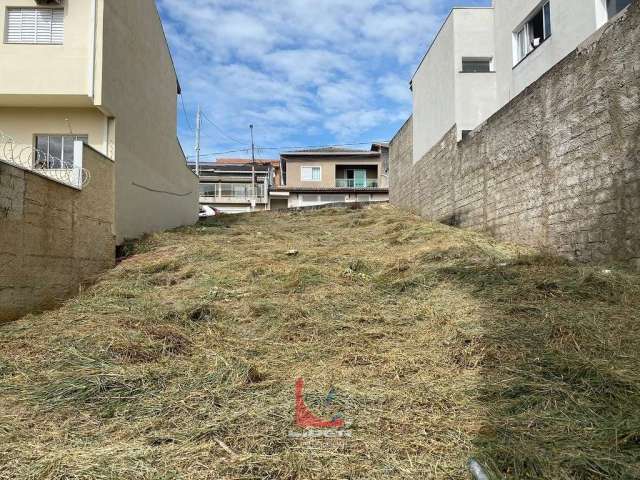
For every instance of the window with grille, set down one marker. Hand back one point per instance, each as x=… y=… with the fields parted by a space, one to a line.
x=35 y=26
x=56 y=151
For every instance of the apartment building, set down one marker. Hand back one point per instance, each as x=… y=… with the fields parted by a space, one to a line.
x=100 y=72
x=333 y=175
x=482 y=58
x=237 y=185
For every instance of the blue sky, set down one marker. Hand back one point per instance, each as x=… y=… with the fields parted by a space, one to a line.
x=304 y=72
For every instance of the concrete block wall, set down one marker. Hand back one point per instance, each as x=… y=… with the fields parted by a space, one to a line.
x=557 y=168
x=53 y=238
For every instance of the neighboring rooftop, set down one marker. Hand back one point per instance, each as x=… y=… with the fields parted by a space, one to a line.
x=246 y=167
x=331 y=151
x=244 y=161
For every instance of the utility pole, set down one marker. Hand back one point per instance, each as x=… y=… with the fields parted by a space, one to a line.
x=253 y=172
x=198 y=128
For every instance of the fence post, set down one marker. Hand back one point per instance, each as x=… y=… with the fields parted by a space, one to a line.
x=78 y=151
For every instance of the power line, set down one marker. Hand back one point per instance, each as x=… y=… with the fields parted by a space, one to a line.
x=184 y=110
x=235 y=140
x=296 y=147
x=222 y=153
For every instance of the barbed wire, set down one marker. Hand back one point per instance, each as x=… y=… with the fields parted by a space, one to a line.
x=31 y=158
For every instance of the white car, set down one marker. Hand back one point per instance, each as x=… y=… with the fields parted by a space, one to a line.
x=207 y=211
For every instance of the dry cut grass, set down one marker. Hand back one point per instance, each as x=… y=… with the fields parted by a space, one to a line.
x=437 y=345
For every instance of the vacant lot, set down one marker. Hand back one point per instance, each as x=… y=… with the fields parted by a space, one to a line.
x=436 y=345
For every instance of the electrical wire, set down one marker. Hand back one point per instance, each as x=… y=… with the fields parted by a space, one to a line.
x=258 y=148
x=297 y=147
x=213 y=154
x=229 y=137
x=186 y=117
x=319 y=146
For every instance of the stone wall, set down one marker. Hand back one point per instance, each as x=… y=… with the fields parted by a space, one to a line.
x=53 y=238
x=557 y=168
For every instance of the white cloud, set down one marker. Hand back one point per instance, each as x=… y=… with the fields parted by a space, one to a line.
x=303 y=71
x=395 y=88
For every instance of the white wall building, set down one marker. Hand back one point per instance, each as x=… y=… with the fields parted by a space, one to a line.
x=483 y=57
x=456 y=81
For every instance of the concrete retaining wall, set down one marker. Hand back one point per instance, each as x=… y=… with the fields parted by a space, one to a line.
x=557 y=168
x=53 y=238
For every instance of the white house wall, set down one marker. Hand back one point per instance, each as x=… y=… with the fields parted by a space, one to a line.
x=572 y=22
x=434 y=110
x=475 y=92
x=443 y=96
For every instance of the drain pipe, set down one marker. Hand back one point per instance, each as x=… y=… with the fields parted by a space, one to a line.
x=477 y=471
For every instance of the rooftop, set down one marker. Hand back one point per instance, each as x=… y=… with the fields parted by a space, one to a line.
x=244 y=161
x=215 y=167
x=341 y=151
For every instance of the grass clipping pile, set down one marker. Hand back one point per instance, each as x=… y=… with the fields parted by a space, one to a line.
x=436 y=344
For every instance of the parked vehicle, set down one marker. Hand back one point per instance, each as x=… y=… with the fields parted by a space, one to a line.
x=206 y=211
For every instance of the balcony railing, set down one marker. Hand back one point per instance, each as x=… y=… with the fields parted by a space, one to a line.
x=353 y=183
x=234 y=192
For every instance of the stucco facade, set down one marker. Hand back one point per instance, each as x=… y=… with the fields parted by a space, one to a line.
x=572 y=22
x=444 y=96
x=113 y=80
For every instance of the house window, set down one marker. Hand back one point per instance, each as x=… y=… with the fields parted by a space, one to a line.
x=534 y=31
x=35 y=26
x=56 y=151
x=311 y=174
x=616 y=6
x=476 y=65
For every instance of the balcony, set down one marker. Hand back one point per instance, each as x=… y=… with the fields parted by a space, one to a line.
x=232 y=193
x=355 y=183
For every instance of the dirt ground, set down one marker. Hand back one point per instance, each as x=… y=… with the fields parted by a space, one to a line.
x=434 y=345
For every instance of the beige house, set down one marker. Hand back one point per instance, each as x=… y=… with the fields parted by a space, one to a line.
x=333 y=175
x=99 y=71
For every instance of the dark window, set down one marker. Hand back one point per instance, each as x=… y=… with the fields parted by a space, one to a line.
x=534 y=31
x=476 y=65
x=616 y=6
x=547 y=20
x=537 y=26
